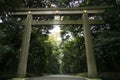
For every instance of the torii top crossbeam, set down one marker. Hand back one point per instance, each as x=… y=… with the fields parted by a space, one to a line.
x=60 y=11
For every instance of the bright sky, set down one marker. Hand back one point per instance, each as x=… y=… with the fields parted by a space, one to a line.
x=55 y=29
x=0 y=21
x=56 y=32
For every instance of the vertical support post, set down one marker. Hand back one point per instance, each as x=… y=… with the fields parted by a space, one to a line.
x=22 y=65
x=91 y=62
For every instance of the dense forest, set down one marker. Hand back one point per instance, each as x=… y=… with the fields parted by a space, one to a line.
x=44 y=54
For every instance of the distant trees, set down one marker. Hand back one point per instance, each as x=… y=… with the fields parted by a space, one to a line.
x=107 y=41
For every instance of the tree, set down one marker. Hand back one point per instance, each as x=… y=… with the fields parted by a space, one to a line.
x=107 y=41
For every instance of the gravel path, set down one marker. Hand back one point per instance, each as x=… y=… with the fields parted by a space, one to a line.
x=57 y=77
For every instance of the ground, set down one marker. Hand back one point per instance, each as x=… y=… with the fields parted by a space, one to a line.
x=55 y=77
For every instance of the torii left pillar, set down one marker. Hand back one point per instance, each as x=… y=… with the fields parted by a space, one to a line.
x=22 y=64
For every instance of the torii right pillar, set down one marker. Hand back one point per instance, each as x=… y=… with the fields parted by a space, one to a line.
x=91 y=62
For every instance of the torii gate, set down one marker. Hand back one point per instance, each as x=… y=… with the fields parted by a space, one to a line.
x=91 y=62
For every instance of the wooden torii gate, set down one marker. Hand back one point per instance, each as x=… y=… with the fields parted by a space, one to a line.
x=29 y=12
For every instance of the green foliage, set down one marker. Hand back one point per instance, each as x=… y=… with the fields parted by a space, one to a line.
x=82 y=74
x=74 y=60
x=112 y=17
x=107 y=50
x=7 y=5
x=107 y=42
x=9 y=47
x=42 y=59
x=100 y=2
